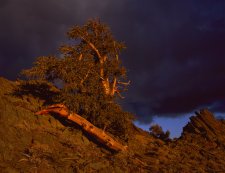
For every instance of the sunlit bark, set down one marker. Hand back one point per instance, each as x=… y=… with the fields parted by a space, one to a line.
x=94 y=131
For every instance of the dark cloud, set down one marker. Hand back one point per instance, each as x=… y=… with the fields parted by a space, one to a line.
x=175 y=55
x=32 y=28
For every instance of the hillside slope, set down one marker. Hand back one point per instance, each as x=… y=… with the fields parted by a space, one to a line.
x=31 y=143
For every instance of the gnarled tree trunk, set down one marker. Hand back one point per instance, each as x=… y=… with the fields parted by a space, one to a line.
x=97 y=133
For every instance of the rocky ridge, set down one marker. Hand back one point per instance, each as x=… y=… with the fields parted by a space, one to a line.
x=205 y=125
x=31 y=143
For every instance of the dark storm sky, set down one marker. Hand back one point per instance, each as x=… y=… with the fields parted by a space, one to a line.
x=175 y=54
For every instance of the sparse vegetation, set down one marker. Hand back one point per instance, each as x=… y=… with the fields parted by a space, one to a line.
x=158 y=132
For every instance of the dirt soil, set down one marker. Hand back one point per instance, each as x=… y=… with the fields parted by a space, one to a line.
x=47 y=144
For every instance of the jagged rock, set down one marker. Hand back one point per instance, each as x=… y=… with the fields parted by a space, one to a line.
x=205 y=125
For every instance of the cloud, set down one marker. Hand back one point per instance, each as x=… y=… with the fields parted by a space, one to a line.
x=175 y=54
x=32 y=28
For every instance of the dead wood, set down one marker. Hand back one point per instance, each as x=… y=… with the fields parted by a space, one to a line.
x=94 y=131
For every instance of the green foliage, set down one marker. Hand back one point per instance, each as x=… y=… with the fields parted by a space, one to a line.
x=77 y=74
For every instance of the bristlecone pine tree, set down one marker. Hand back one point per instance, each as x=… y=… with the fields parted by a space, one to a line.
x=91 y=77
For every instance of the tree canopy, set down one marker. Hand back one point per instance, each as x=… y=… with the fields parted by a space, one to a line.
x=90 y=74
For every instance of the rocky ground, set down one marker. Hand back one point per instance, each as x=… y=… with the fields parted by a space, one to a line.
x=31 y=143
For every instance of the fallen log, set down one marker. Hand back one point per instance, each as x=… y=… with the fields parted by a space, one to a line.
x=94 y=131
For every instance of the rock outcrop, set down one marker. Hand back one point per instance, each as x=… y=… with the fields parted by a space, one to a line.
x=204 y=124
x=32 y=143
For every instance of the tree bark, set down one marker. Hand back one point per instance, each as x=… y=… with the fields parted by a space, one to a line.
x=94 y=131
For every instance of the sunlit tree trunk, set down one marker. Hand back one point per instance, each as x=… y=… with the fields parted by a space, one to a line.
x=94 y=131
